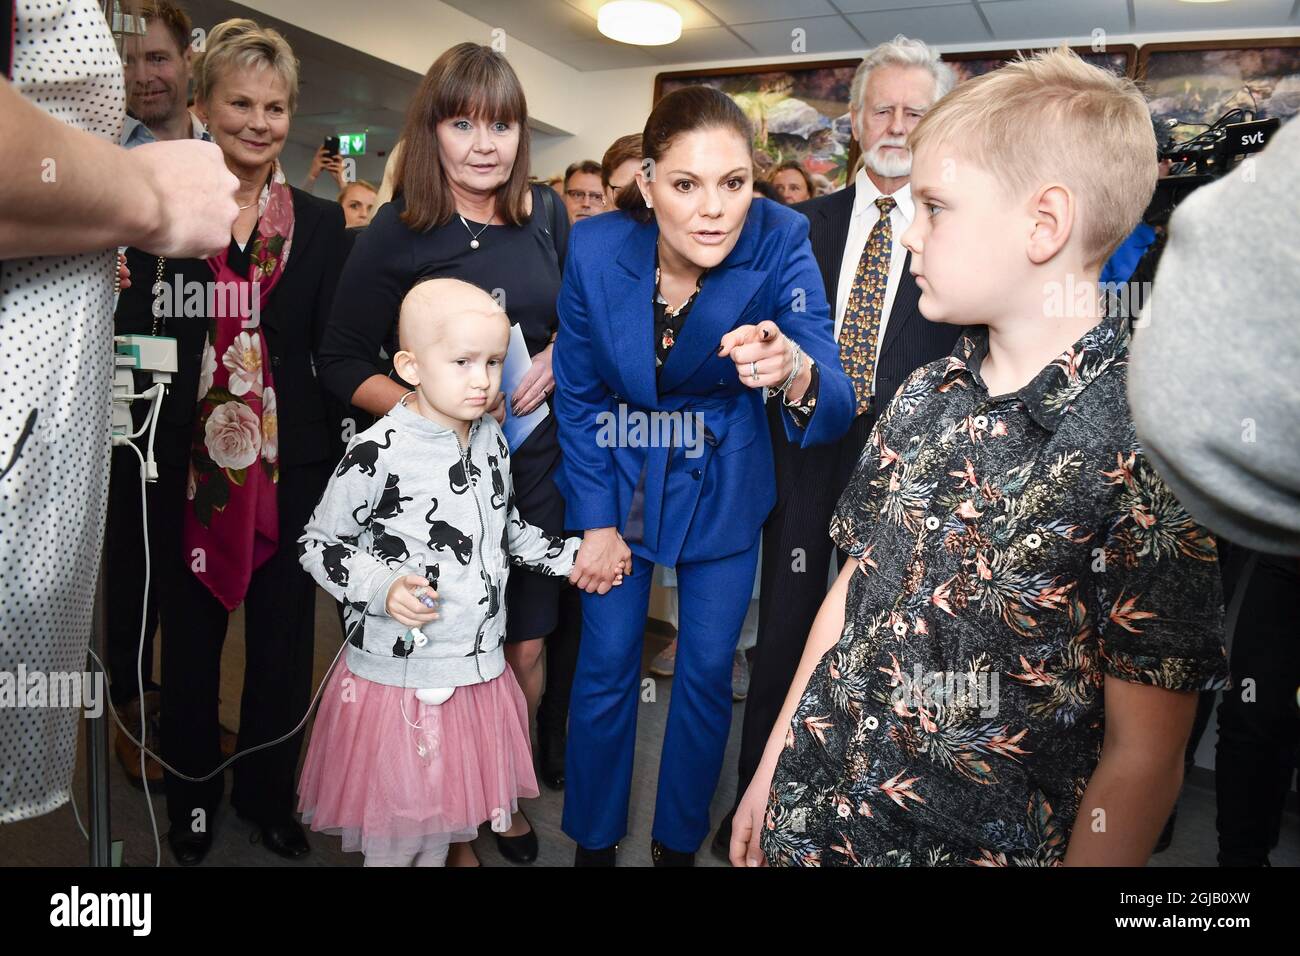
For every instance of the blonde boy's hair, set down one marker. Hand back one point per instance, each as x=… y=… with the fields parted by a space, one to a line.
x=1054 y=117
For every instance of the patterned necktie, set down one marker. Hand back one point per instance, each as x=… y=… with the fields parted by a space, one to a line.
x=861 y=326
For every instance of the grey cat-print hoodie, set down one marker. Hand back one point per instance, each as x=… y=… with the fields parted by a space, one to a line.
x=409 y=498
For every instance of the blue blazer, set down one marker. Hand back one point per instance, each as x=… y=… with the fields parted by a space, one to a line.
x=708 y=496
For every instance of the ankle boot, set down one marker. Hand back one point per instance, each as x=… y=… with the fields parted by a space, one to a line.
x=666 y=857
x=602 y=857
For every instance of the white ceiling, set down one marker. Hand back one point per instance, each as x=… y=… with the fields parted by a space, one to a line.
x=738 y=29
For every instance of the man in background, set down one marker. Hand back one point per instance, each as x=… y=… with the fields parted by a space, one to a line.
x=584 y=193
x=158 y=79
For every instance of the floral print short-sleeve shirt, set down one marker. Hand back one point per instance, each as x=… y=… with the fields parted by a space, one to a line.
x=1012 y=552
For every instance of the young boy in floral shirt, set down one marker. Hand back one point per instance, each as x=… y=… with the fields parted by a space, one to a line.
x=1008 y=671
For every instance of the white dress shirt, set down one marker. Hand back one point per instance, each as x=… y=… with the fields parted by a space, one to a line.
x=864 y=218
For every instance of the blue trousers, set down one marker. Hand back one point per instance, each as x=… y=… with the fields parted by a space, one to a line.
x=713 y=597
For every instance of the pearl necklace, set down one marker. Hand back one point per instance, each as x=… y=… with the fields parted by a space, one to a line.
x=473 y=236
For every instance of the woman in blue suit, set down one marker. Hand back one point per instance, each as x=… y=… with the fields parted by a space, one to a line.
x=675 y=314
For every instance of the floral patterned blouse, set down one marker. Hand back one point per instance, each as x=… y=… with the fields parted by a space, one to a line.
x=1013 y=551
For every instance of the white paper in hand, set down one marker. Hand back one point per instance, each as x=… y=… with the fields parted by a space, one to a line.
x=518 y=362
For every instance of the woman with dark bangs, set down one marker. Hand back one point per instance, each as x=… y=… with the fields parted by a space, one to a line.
x=463 y=208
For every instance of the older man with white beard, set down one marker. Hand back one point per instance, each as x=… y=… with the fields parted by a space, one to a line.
x=883 y=338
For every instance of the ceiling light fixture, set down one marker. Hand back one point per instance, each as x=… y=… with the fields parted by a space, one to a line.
x=641 y=22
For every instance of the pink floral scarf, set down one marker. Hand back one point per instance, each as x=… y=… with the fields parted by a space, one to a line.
x=232 y=521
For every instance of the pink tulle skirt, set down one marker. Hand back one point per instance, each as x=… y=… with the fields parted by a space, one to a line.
x=387 y=787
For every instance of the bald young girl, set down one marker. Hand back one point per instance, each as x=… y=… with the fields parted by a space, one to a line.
x=422 y=733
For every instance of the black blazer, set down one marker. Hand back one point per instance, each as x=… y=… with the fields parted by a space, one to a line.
x=293 y=320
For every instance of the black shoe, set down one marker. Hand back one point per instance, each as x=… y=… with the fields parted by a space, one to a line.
x=666 y=857
x=519 y=849
x=550 y=756
x=283 y=838
x=721 y=845
x=189 y=847
x=602 y=857
x=1167 y=834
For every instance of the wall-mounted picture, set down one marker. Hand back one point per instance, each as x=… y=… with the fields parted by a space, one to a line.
x=1190 y=86
x=1120 y=59
x=799 y=111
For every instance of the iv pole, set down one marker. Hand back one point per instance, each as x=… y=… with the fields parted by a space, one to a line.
x=97 y=816
x=122 y=24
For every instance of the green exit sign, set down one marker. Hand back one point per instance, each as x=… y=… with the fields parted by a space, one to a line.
x=352 y=144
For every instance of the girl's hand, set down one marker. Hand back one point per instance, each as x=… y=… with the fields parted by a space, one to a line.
x=498 y=409
x=624 y=567
x=123 y=273
x=404 y=607
x=763 y=356
x=748 y=822
x=535 y=386
x=602 y=559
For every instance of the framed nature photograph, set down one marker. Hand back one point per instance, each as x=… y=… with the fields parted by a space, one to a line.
x=799 y=111
x=1190 y=86
x=1120 y=59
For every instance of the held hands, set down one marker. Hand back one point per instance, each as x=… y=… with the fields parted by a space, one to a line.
x=603 y=559
x=761 y=349
x=403 y=604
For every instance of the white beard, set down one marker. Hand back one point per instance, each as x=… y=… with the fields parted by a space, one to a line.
x=891 y=167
